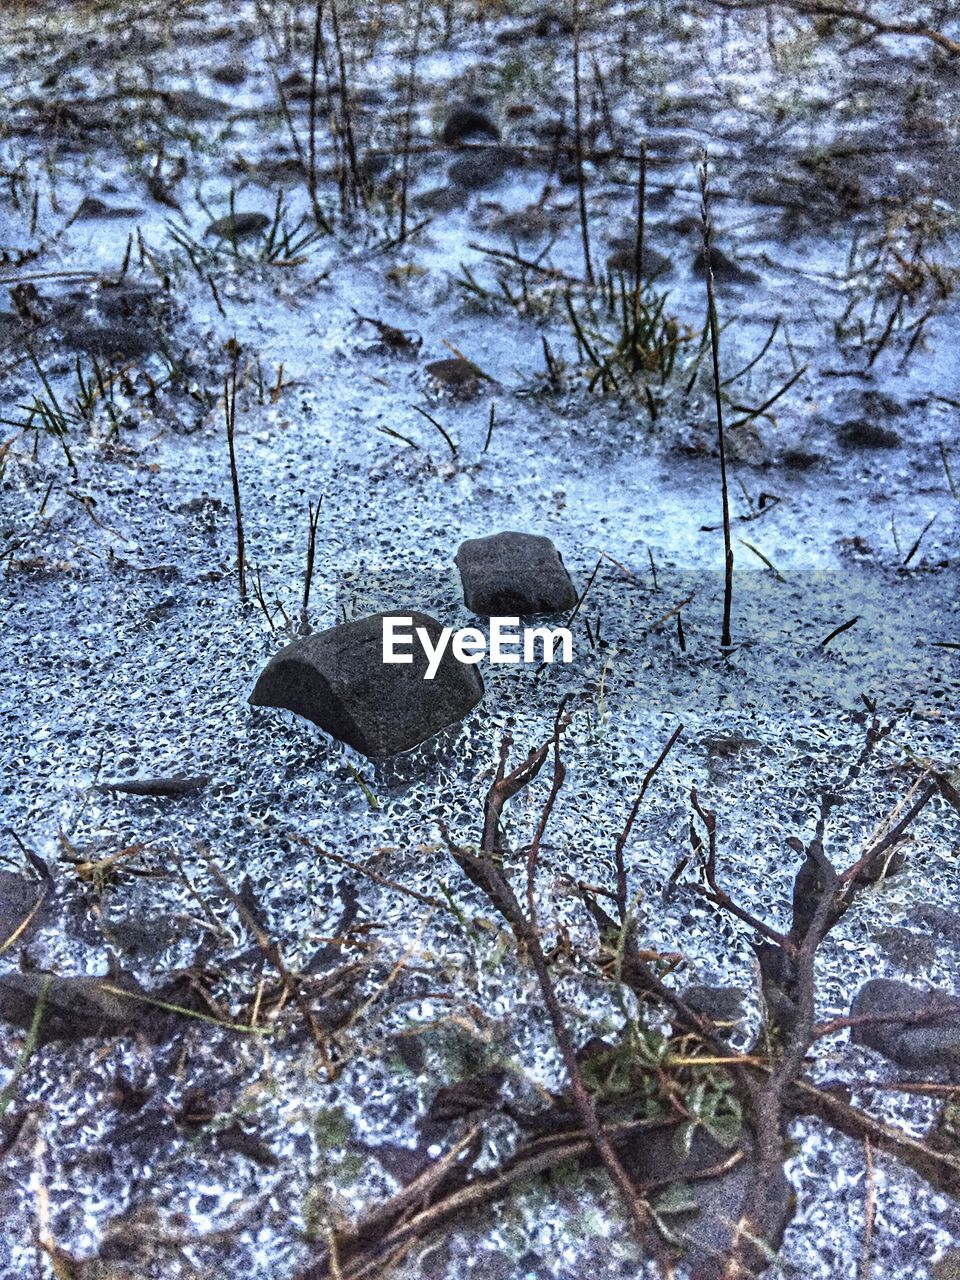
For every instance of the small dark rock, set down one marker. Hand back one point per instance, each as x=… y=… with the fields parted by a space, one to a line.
x=724 y=268
x=481 y=167
x=930 y=1041
x=453 y=1101
x=128 y=302
x=860 y=434
x=686 y=224
x=90 y=208
x=375 y=164
x=19 y=897
x=73 y=1007
x=295 y=86
x=238 y=226
x=176 y=785
x=707 y=1227
x=720 y=1004
x=531 y=223
x=941 y=922
x=910 y=951
x=514 y=573
x=460 y=376
x=442 y=199
x=125 y=341
x=338 y=679
x=230 y=73
x=190 y=105
x=468 y=122
x=800 y=459
x=553 y=22
x=624 y=257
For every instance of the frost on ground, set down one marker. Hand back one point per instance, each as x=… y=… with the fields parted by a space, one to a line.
x=246 y=1011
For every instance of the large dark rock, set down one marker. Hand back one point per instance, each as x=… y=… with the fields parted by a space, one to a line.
x=512 y=574
x=929 y=1035
x=338 y=679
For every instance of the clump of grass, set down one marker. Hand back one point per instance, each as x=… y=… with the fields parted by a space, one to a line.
x=47 y=415
x=897 y=284
x=629 y=341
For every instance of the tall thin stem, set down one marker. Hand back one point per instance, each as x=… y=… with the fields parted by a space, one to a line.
x=408 y=120
x=638 y=247
x=578 y=137
x=725 y=638
x=230 y=412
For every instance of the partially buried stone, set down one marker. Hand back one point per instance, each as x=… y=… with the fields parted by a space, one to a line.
x=460 y=376
x=623 y=260
x=238 y=226
x=703 y=1190
x=514 y=573
x=71 y=1008
x=126 y=341
x=90 y=208
x=338 y=679
x=481 y=167
x=468 y=120
x=861 y=434
x=928 y=1035
x=20 y=900
x=723 y=268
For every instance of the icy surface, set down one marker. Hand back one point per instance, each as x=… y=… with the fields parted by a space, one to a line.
x=128 y=652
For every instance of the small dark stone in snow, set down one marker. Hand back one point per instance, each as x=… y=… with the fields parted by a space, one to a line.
x=721 y=1004
x=238 y=226
x=938 y=920
x=931 y=1043
x=231 y=73
x=860 y=434
x=623 y=259
x=177 y=785
x=375 y=164
x=338 y=679
x=126 y=341
x=190 y=105
x=724 y=268
x=90 y=208
x=910 y=951
x=800 y=459
x=73 y=1007
x=454 y=373
x=124 y=302
x=514 y=573
x=468 y=120
x=481 y=167
x=442 y=199
x=18 y=898
x=707 y=1228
